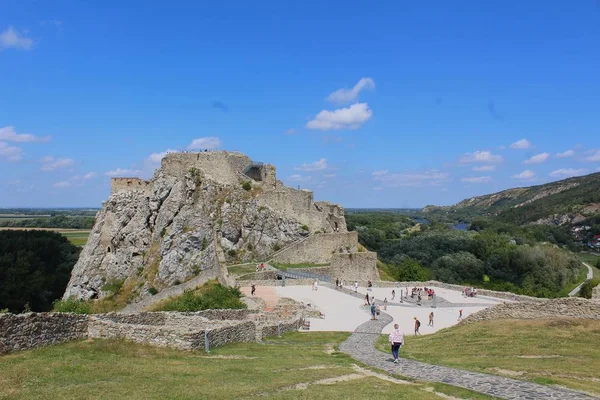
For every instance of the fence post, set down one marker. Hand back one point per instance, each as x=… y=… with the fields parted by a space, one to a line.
x=401 y=292
x=206 y=341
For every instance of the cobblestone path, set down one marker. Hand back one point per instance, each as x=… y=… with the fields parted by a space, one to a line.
x=361 y=346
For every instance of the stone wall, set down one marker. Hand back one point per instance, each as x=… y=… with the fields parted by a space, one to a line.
x=573 y=307
x=481 y=292
x=221 y=166
x=596 y=293
x=129 y=184
x=355 y=266
x=318 y=249
x=277 y=282
x=26 y=331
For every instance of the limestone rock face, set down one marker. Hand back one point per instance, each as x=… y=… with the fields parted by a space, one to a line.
x=192 y=217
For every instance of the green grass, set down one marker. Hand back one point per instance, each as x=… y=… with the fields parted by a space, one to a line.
x=117 y=369
x=211 y=295
x=78 y=238
x=285 y=267
x=560 y=351
x=591 y=260
x=580 y=279
x=239 y=270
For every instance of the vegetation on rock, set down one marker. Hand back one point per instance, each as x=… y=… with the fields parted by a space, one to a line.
x=211 y=295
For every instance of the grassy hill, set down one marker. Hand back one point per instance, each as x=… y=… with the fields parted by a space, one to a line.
x=568 y=201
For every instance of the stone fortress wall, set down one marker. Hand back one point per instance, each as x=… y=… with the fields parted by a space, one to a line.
x=185 y=331
x=361 y=266
x=129 y=184
x=318 y=248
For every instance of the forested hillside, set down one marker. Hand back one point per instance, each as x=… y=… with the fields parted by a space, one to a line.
x=496 y=255
x=35 y=267
x=562 y=202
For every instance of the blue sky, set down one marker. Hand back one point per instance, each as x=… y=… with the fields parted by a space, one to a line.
x=369 y=104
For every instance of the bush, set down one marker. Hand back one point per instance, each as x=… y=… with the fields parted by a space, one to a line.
x=247 y=186
x=304 y=227
x=71 y=305
x=586 y=288
x=231 y=253
x=113 y=286
x=211 y=295
x=152 y=291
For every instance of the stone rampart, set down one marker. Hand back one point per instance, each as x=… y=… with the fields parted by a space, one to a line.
x=481 y=292
x=221 y=166
x=129 y=184
x=26 y=331
x=318 y=249
x=184 y=331
x=355 y=266
x=596 y=293
x=573 y=307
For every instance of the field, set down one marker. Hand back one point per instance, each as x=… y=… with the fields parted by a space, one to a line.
x=591 y=260
x=560 y=351
x=19 y=217
x=298 y=365
x=76 y=236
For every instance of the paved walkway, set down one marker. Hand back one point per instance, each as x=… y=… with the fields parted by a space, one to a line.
x=589 y=276
x=361 y=346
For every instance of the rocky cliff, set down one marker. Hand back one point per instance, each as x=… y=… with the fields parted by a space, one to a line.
x=198 y=212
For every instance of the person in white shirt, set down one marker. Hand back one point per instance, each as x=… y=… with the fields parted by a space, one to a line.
x=397 y=340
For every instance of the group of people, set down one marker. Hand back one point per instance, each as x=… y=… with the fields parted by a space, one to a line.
x=470 y=292
x=260 y=267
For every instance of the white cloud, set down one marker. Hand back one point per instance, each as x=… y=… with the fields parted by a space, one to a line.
x=345 y=95
x=10 y=153
x=9 y=134
x=315 y=166
x=89 y=175
x=11 y=38
x=121 y=172
x=522 y=144
x=50 y=163
x=485 y=168
x=594 y=157
x=62 y=184
x=526 y=175
x=565 y=154
x=298 y=178
x=416 y=178
x=567 y=172
x=155 y=158
x=202 y=143
x=329 y=176
x=478 y=179
x=380 y=172
x=290 y=131
x=537 y=159
x=344 y=118
x=481 y=157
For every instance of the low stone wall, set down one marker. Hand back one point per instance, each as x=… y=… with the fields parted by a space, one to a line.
x=572 y=307
x=480 y=292
x=26 y=331
x=596 y=293
x=318 y=248
x=355 y=266
x=277 y=282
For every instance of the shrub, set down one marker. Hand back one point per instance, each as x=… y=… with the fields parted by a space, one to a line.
x=163 y=232
x=4 y=311
x=113 y=286
x=139 y=271
x=72 y=305
x=598 y=262
x=204 y=243
x=276 y=246
x=152 y=291
x=247 y=186
x=304 y=227
x=231 y=253
x=211 y=295
x=586 y=288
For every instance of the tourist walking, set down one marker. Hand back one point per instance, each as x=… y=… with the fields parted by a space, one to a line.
x=316 y=285
x=337 y=283
x=397 y=340
x=373 y=310
x=417 y=326
x=355 y=286
x=393 y=294
x=252 y=289
x=369 y=285
x=460 y=315
x=367 y=300
x=419 y=299
x=430 y=319
x=385 y=303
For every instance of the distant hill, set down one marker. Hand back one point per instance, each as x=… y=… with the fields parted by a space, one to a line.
x=569 y=201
